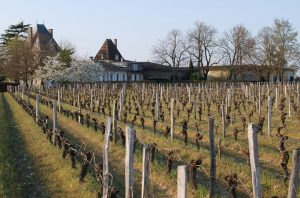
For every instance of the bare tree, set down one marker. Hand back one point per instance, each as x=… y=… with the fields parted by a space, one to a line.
x=203 y=47
x=19 y=61
x=236 y=45
x=172 y=50
x=287 y=45
x=264 y=54
x=2 y=61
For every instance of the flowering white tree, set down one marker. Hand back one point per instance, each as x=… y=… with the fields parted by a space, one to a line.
x=83 y=70
x=80 y=70
x=52 y=69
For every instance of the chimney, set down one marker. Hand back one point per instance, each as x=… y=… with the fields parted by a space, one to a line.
x=30 y=33
x=51 y=32
x=116 y=43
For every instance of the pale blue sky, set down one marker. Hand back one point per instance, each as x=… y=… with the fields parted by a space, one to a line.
x=138 y=24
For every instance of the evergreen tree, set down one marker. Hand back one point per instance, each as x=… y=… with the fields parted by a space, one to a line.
x=65 y=56
x=18 y=30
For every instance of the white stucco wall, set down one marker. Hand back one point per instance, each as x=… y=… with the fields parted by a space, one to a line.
x=113 y=76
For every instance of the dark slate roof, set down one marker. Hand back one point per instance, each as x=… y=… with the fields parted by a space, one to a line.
x=46 y=42
x=150 y=66
x=42 y=29
x=108 y=51
x=109 y=66
x=239 y=67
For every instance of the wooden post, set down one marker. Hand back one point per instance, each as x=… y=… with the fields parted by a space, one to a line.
x=259 y=101
x=54 y=121
x=73 y=94
x=195 y=107
x=226 y=104
x=290 y=106
x=105 y=158
x=172 y=119
x=121 y=105
x=294 y=177
x=114 y=121
x=254 y=163
x=129 y=162
x=181 y=181
x=91 y=105
x=78 y=101
x=143 y=91
x=22 y=93
x=223 y=121
x=37 y=108
x=189 y=92
x=276 y=97
x=220 y=147
x=285 y=91
x=58 y=100
x=161 y=93
x=269 y=115
x=28 y=96
x=211 y=130
x=157 y=105
x=146 y=172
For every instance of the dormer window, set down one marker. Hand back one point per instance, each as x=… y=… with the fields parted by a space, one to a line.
x=117 y=58
x=135 y=67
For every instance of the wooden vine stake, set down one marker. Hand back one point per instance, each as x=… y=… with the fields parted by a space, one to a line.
x=157 y=105
x=105 y=158
x=129 y=163
x=54 y=121
x=269 y=115
x=294 y=177
x=22 y=93
x=259 y=101
x=211 y=130
x=290 y=106
x=172 y=119
x=195 y=107
x=146 y=172
x=254 y=163
x=121 y=105
x=114 y=121
x=181 y=181
x=223 y=121
x=91 y=102
x=37 y=108
x=58 y=100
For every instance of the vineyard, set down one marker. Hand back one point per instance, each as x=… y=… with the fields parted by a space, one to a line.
x=161 y=140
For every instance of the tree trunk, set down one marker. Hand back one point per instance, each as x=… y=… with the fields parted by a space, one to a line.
x=205 y=75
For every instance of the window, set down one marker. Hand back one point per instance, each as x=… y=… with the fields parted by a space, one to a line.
x=124 y=77
x=117 y=57
x=117 y=77
x=135 y=67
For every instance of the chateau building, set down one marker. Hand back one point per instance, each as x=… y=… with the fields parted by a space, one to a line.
x=116 y=68
x=41 y=39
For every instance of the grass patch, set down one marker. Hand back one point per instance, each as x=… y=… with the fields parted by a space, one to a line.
x=61 y=180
